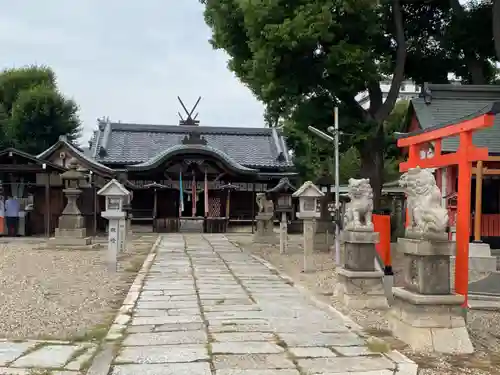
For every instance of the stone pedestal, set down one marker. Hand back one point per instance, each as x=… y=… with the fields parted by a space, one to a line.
x=359 y=284
x=71 y=232
x=265 y=229
x=480 y=258
x=283 y=233
x=425 y=314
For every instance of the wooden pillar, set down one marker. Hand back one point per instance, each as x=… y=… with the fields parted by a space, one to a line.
x=228 y=202
x=47 y=205
x=479 y=201
x=253 y=206
x=155 y=208
x=463 y=216
x=95 y=200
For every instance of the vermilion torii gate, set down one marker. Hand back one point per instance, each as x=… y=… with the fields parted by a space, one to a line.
x=463 y=158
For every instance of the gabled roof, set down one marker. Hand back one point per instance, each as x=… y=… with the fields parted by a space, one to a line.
x=308 y=189
x=438 y=105
x=113 y=187
x=31 y=158
x=78 y=153
x=284 y=186
x=127 y=144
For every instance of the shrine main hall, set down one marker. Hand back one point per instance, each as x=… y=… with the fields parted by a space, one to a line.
x=179 y=175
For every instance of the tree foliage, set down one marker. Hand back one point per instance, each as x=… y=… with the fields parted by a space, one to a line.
x=33 y=113
x=302 y=58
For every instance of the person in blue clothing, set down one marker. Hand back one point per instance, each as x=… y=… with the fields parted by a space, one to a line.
x=12 y=208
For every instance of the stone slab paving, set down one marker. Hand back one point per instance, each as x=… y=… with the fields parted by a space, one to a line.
x=207 y=308
x=46 y=357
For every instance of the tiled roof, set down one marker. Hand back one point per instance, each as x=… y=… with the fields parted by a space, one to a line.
x=79 y=153
x=442 y=104
x=120 y=143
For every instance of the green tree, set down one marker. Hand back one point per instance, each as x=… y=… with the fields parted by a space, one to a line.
x=496 y=27
x=33 y=113
x=451 y=36
x=302 y=58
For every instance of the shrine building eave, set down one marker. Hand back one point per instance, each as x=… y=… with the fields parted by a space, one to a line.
x=32 y=158
x=195 y=150
x=78 y=154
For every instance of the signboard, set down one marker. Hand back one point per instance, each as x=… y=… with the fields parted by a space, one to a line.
x=212 y=185
x=114 y=204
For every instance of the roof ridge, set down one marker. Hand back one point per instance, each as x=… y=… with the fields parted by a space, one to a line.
x=131 y=127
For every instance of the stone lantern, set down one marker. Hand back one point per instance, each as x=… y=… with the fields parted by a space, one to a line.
x=117 y=197
x=71 y=230
x=282 y=196
x=308 y=195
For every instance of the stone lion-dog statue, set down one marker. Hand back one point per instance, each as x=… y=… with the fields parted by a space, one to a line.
x=265 y=205
x=426 y=214
x=358 y=215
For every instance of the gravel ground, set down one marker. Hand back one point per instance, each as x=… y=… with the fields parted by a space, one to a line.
x=61 y=294
x=483 y=326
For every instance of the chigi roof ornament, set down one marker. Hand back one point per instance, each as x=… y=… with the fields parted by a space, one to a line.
x=190 y=120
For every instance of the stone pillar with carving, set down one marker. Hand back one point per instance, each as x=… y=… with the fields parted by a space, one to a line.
x=264 y=218
x=426 y=314
x=359 y=284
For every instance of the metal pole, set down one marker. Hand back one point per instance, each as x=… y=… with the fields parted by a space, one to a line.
x=337 y=188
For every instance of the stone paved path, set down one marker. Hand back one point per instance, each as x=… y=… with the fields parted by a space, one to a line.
x=33 y=357
x=206 y=308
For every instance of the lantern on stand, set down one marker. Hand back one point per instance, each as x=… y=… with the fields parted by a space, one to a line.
x=281 y=195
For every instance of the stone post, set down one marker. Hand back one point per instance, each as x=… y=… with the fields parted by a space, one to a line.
x=425 y=313
x=283 y=233
x=113 y=245
x=359 y=284
x=309 y=231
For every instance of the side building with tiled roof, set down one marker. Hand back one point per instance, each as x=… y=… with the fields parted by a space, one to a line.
x=448 y=103
x=168 y=167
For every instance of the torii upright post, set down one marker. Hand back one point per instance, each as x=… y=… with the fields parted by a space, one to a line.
x=463 y=158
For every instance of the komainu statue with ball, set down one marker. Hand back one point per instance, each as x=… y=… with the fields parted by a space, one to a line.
x=265 y=205
x=358 y=215
x=426 y=215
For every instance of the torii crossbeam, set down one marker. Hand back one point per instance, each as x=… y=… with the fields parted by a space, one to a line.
x=463 y=158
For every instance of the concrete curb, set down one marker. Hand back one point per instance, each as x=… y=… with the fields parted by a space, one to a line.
x=102 y=361
x=404 y=365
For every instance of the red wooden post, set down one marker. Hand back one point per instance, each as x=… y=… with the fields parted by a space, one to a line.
x=463 y=157
x=463 y=215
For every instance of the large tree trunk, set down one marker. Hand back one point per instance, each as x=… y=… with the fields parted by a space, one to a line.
x=372 y=167
x=496 y=27
x=476 y=70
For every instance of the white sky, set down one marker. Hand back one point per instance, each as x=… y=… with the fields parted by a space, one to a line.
x=127 y=59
